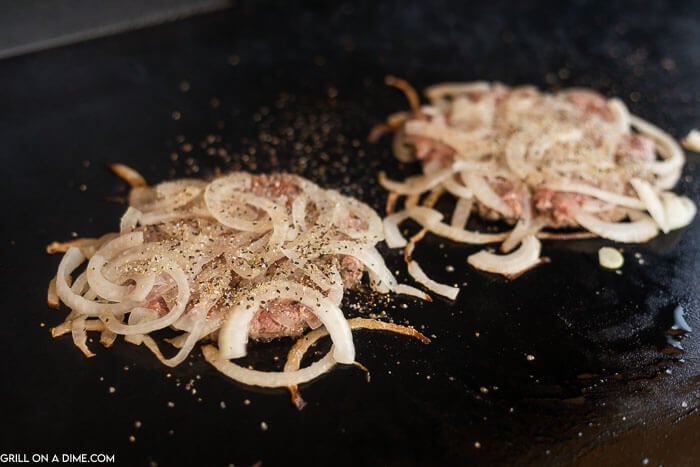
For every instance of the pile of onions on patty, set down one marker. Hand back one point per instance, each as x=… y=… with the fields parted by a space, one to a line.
x=534 y=160
x=241 y=256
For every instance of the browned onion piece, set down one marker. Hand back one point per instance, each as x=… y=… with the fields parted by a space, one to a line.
x=302 y=346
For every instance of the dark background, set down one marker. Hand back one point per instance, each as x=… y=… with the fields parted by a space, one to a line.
x=296 y=86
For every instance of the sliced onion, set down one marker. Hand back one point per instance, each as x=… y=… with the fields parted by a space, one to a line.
x=430 y=219
x=157 y=217
x=138 y=316
x=638 y=231
x=187 y=346
x=692 y=140
x=433 y=196
x=52 y=299
x=167 y=196
x=604 y=195
x=417 y=273
x=80 y=336
x=467 y=146
x=299 y=212
x=267 y=379
x=329 y=281
x=277 y=214
x=459 y=190
x=71 y=260
x=302 y=346
x=233 y=334
x=80 y=285
x=87 y=246
x=418 y=183
x=442 y=90
x=523 y=228
x=404 y=289
x=475 y=118
x=183 y=297
x=610 y=258
x=679 y=210
x=427 y=217
x=515 y=152
x=524 y=258
x=107 y=337
x=465 y=236
x=405 y=87
x=381 y=279
x=101 y=285
x=130 y=219
x=415 y=270
x=66 y=326
x=669 y=180
x=622 y=115
x=359 y=210
x=461 y=213
x=132 y=177
x=402 y=150
x=673 y=154
x=652 y=202
x=486 y=195
x=226 y=199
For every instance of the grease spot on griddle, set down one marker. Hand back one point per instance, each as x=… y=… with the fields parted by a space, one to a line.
x=675 y=332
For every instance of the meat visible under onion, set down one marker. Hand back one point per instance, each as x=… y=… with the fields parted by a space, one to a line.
x=573 y=159
x=242 y=256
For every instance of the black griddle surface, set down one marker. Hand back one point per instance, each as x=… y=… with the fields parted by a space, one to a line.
x=569 y=364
